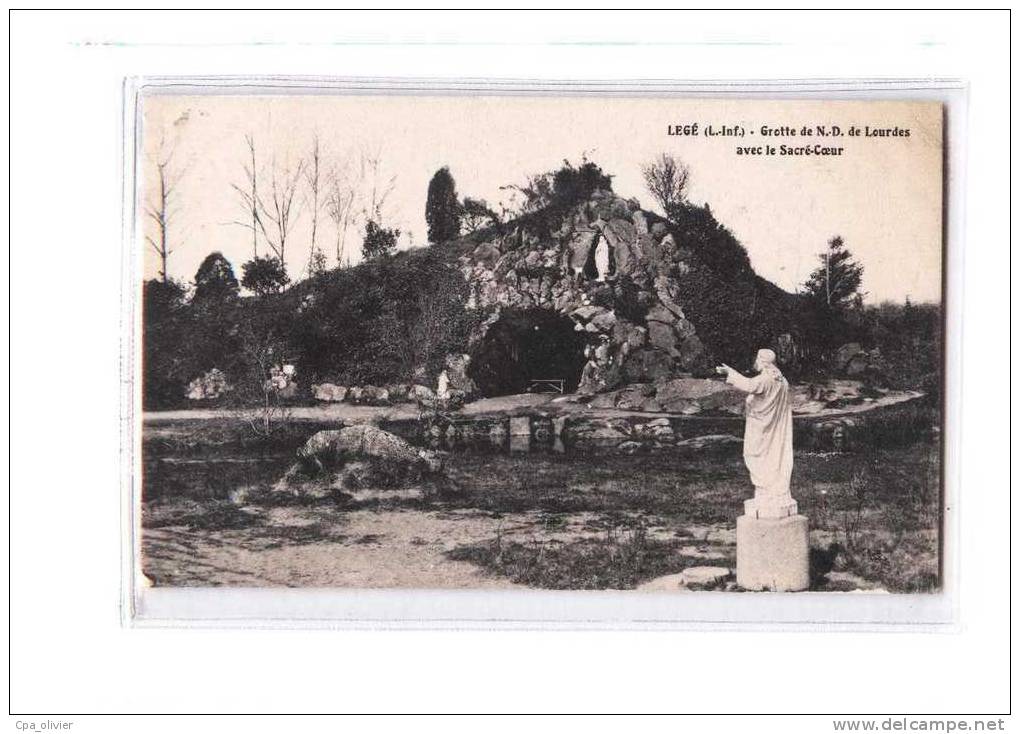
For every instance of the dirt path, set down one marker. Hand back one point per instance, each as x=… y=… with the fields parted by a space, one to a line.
x=393 y=549
x=302 y=547
x=369 y=549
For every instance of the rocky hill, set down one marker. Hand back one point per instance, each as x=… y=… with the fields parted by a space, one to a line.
x=646 y=301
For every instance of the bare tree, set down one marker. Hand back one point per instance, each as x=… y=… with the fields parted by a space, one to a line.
x=314 y=181
x=340 y=199
x=377 y=188
x=249 y=195
x=277 y=207
x=666 y=179
x=161 y=207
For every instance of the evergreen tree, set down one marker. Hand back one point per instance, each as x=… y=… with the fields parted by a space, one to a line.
x=835 y=284
x=215 y=279
x=442 y=209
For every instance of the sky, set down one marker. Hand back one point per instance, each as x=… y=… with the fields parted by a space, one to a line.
x=883 y=195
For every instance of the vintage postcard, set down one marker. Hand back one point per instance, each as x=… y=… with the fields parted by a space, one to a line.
x=494 y=341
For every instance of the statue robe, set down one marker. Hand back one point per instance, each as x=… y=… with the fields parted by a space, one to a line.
x=768 y=432
x=602 y=258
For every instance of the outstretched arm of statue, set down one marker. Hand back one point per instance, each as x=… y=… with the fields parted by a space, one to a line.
x=746 y=384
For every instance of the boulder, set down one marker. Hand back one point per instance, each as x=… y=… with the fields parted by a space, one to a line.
x=851 y=359
x=629 y=334
x=398 y=393
x=633 y=397
x=597 y=432
x=421 y=393
x=487 y=254
x=803 y=399
x=691 y=395
x=693 y=355
x=370 y=395
x=604 y=400
x=661 y=336
x=683 y=406
x=603 y=321
x=456 y=371
x=704 y=577
x=533 y=260
x=648 y=365
x=651 y=405
x=329 y=393
x=661 y=313
x=659 y=430
x=576 y=253
x=210 y=386
x=336 y=447
x=710 y=441
x=834 y=393
x=585 y=313
x=690 y=387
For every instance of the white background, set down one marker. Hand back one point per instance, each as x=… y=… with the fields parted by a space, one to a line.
x=69 y=653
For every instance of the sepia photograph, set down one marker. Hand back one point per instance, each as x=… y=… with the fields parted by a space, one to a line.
x=562 y=363
x=558 y=342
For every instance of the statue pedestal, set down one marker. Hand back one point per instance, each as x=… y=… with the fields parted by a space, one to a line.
x=772 y=552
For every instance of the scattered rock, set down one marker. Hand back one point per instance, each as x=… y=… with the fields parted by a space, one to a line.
x=670 y=582
x=210 y=386
x=603 y=321
x=487 y=254
x=648 y=365
x=661 y=336
x=691 y=395
x=398 y=393
x=604 y=400
x=598 y=430
x=846 y=354
x=370 y=395
x=651 y=405
x=712 y=440
x=695 y=578
x=705 y=554
x=328 y=392
x=629 y=335
x=704 y=577
x=585 y=313
x=456 y=372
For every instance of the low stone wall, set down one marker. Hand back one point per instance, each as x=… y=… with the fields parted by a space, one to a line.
x=630 y=434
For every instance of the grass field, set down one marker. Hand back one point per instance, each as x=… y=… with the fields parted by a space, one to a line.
x=592 y=520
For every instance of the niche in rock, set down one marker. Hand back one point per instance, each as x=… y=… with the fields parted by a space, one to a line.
x=527 y=345
x=601 y=261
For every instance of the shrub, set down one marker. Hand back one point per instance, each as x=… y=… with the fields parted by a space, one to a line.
x=265 y=275
x=379 y=240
